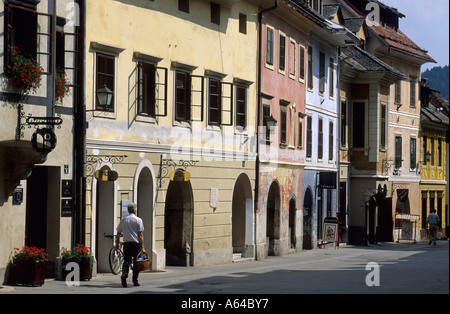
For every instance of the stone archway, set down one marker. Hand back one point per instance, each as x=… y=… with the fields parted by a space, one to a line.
x=145 y=201
x=292 y=224
x=242 y=216
x=178 y=224
x=273 y=219
x=105 y=217
x=307 y=219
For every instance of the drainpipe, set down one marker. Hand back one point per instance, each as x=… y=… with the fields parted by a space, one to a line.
x=338 y=143
x=258 y=112
x=79 y=134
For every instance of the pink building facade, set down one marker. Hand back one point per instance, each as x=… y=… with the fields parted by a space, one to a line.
x=282 y=149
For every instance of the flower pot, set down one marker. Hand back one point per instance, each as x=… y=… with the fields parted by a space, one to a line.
x=28 y=273
x=85 y=268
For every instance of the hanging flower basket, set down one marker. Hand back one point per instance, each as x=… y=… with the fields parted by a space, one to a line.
x=61 y=85
x=25 y=73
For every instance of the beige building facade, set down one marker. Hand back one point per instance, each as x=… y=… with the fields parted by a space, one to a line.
x=36 y=161
x=180 y=128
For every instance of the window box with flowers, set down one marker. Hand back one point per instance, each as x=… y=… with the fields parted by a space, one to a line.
x=80 y=255
x=26 y=73
x=61 y=85
x=29 y=266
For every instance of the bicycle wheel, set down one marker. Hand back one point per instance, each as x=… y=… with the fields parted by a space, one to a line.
x=115 y=261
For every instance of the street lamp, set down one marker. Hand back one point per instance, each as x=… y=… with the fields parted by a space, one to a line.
x=104 y=97
x=271 y=124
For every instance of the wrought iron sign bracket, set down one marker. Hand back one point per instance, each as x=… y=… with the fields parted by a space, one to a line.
x=169 y=164
x=34 y=121
x=92 y=160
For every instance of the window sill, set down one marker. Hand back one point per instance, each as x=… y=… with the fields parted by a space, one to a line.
x=183 y=124
x=268 y=66
x=146 y=119
x=214 y=127
x=103 y=114
x=241 y=131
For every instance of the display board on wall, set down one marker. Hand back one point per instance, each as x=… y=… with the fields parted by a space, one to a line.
x=331 y=231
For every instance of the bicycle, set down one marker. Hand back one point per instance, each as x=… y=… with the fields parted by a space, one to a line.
x=115 y=257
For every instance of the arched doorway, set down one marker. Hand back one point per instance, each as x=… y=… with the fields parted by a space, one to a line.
x=241 y=216
x=292 y=219
x=273 y=219
x=145 y=206
x=104 y=222
x=178 y=223
x=307 y=219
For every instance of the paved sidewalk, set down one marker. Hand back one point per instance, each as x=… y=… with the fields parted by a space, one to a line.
x=176 y=280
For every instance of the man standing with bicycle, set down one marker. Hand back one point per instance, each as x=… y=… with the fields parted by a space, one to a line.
x=132 y=229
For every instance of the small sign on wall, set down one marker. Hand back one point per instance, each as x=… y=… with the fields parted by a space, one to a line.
x=18 y=196
x=124 y=209
x=214 y=198
x=66 y=208
x=66 y=188
x=331 y=231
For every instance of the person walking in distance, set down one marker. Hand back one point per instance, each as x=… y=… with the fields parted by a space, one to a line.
x=433 y=220
x=132 y=229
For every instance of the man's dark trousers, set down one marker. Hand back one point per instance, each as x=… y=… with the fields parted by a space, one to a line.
x=130 y=252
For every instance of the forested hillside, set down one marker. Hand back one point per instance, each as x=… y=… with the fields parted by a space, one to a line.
x=438 y=78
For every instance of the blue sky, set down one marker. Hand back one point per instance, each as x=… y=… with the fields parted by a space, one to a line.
x=427 y=24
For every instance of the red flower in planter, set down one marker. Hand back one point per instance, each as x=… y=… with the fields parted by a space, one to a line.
x=61 y=85
x=29 y=254
x=26 y=73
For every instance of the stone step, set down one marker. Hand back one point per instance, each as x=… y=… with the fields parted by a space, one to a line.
x=237 y=258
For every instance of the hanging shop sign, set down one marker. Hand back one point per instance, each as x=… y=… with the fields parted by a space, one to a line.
x=106 y=175
x=179 y=175
x=327 y=180
x=44 y=120
x=43 y=141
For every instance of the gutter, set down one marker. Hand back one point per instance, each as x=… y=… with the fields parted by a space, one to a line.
x=258 y=114
x=312 y=15
x=79 y=225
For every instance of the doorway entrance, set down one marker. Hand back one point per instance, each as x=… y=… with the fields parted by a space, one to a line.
x=292 y=224
x=43 y=209
x=273 y=219
x=145 y=206
x=242 y=216
x=178 y=224
x=104 y=223
x=307 y=220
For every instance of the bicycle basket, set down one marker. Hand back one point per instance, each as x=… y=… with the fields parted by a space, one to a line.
x=143 y=264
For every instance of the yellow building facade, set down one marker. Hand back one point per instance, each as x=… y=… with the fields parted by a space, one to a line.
x=433 y=171
x=179 y=129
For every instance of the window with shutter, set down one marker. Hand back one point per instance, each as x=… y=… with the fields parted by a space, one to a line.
x=398 y=151
x=309 y=137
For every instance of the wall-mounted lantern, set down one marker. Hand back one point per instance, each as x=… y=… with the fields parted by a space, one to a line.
x=104 y=97
x=271 y=124
x=428 y=156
